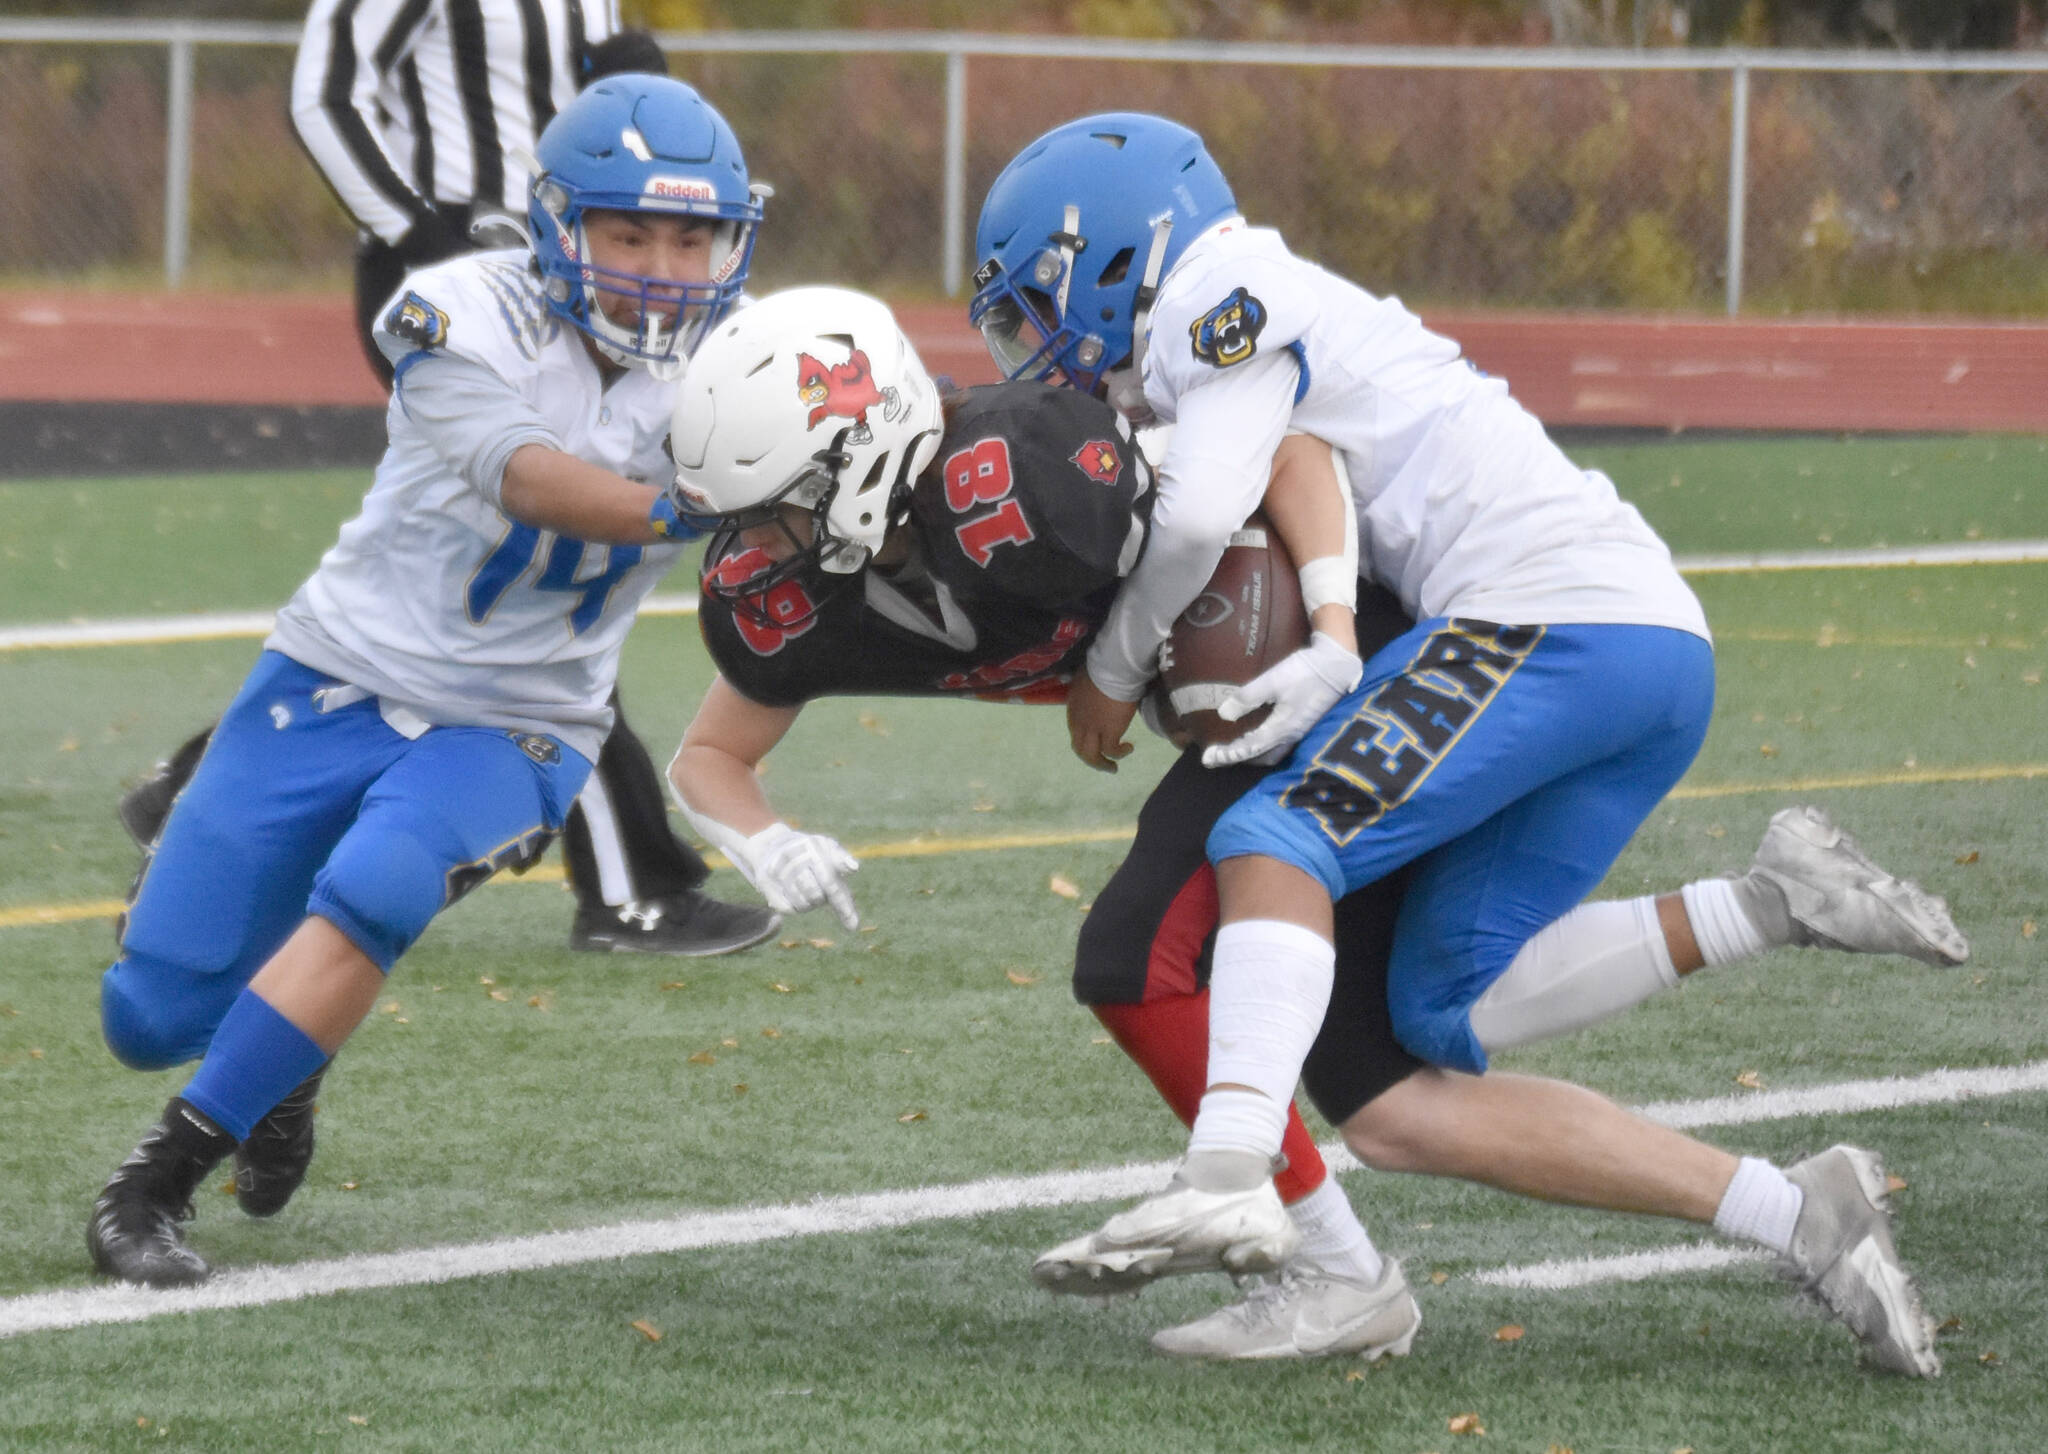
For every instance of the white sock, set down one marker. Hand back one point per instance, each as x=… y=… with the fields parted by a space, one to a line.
x=1761 y=1205
x=1332 y=1237
x=1246 y=1125
x=1598 y=960
x=1267 y=994
x=1721 y=921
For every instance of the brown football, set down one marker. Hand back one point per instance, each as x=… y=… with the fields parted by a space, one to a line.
x=1247 y=618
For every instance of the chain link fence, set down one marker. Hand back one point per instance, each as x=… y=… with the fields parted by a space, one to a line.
x=1509 y=179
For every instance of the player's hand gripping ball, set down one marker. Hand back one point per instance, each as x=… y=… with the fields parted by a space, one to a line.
x=1246 y=619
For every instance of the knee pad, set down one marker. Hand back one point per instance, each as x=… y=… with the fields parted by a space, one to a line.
x=381 y=894
x=1441 y=1037
x=1102 y=965
x=154 y=1027
x=1437 y=975
x=1258 y=826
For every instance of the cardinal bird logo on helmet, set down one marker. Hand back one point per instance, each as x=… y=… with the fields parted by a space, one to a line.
x=846 y=391
x=1099 y=461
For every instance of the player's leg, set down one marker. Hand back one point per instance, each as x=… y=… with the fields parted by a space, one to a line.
x=380 y=268
x=1466 y=927
x=1606 y=956
x=638 y=886
x=1452 y=722
x=1497 y=948
x=1142 y=967
x=1546 y=1139
x=1338 y=1294
x=1478 y=901
x=235 y=864
x=144 y=807
x=449 y=809
x=1423 y=750
x=1825 y=1218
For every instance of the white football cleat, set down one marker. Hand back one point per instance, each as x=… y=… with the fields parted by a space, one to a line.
x=1305 y=1313
x=1842 y=1254
x=1839 y=899
x=1180 y=1230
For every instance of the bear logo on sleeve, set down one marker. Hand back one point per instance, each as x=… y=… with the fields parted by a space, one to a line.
x=1229 y=333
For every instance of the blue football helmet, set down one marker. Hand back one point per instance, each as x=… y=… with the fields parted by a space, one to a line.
x=640 y=143
x=1075 y=236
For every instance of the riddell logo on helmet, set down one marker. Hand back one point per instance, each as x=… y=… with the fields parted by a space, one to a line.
x=679 y=189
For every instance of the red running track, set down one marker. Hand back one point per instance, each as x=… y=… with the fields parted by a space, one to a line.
x=1571 y=369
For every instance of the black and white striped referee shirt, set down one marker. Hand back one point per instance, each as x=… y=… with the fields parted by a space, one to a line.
x=409 y=103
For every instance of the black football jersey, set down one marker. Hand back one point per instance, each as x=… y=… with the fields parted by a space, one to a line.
x=1034 y=509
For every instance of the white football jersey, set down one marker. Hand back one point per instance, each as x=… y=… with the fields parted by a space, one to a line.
x=432 y=599
x=1465 y=506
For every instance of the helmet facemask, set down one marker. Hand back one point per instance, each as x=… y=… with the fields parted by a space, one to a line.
x=650 y=148
x=1026 y=321
x=807 y=406
x=670 y=316
x=1030 y=328
x=1076 y=235
x=808 y=551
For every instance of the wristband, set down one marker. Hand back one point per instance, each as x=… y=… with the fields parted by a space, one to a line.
x=1329 y=580
x=663 y=520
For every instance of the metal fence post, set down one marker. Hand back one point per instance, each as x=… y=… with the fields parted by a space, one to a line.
x=955 y=243
x=1738 y=179
x=178 y=161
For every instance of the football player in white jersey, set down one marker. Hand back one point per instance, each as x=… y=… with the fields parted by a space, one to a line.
x=431 y=700
x=1555 y=687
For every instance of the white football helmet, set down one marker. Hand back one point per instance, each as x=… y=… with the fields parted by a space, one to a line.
x=809 y=397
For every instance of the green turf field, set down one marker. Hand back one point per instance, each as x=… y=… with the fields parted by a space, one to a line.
x=506 y=1087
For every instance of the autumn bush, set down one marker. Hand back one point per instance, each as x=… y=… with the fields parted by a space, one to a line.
x=1597 y=190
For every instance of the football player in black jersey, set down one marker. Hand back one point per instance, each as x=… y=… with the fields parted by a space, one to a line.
x=869 y=537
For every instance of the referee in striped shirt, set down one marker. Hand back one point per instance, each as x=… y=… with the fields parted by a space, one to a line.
x=415 y=111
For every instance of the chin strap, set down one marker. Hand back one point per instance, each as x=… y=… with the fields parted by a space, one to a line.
x=1141 y=319
x=1070 y=241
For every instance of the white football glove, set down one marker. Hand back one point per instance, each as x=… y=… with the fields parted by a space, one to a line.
x=797 y=871
x=1301 y=687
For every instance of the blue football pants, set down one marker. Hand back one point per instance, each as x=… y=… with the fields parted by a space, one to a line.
x=1509 y=765
x=296 y=812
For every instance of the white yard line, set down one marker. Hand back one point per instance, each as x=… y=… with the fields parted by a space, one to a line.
x=213 y=626
x=1973 y=552
x=150 y=630
x=256 y=1287
x=1633 y=1267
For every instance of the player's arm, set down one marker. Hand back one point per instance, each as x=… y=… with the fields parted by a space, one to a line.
x=715 y=781
x=714 y=772
x=1309 y=504
x=335 y=77
x=1215 y=471
x=550 y=489
x=490 y=433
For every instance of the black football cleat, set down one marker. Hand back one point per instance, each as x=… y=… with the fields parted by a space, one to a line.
x=144 y=807
x=271 y=1163
x=691 y=923
x=134 y=1232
